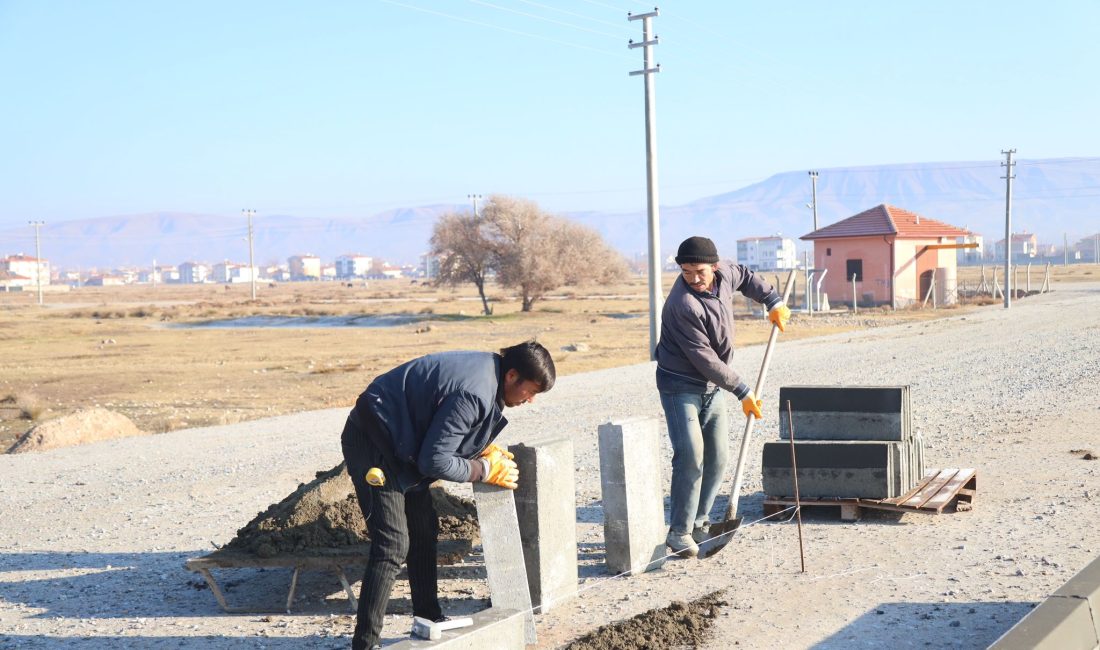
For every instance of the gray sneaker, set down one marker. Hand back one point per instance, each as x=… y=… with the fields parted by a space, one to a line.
x=701 y=533
x=682 y=545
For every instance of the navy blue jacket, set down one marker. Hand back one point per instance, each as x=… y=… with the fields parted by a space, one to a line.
x=440 y=411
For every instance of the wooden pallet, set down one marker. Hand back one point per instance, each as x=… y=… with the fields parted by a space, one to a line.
x=935 y=492
x=849 y=508
x=334 y=560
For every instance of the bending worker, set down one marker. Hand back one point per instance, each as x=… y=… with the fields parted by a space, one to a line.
x=432 y=418
x=693 y=368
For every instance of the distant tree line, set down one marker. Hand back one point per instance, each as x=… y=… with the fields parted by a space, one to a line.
x=525 y=248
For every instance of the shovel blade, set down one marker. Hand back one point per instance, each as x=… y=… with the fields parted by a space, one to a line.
x=720 y=535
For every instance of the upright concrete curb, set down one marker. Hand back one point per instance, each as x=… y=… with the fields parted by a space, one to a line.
x=546 y=505
x=500 y=540
x=633 y=502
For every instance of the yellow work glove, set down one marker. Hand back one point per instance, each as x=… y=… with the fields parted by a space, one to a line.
x=751 y=406
x=779 y=315
x=485 y=453
x=503 y=471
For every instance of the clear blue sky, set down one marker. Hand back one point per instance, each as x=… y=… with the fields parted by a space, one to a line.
x=345 y=109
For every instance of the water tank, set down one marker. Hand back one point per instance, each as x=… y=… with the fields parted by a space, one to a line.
x=947 y=286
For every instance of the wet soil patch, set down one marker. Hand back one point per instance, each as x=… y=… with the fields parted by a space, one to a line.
x=680 y=625
x=324 y=513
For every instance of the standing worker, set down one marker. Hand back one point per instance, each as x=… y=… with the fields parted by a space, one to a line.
x=693 y=367
x=434 y=417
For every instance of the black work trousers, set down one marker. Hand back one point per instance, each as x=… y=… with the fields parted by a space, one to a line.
x=403 y=527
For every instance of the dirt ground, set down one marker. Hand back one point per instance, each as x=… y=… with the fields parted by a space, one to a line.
x=997 y=580
x=93 y=544
x=324 y=513
x=680 y=625
x=129 y=349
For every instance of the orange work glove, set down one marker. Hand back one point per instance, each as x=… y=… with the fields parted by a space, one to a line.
x=503 y=471
x=779 y=315
x=485 y=453
x=751 y=406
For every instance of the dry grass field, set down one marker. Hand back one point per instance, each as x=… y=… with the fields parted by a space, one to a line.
x=130 y=349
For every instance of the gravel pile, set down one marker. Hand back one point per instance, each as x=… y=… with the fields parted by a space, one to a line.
x=94 y=537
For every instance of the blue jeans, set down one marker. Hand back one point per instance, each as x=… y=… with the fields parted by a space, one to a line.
x=698 y=426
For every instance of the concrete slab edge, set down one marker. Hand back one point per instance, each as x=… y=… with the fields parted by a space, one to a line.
x=497 y=628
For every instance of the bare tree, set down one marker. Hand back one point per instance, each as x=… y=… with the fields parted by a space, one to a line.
x=586 y=258
x=537 y=252
x=465 y=252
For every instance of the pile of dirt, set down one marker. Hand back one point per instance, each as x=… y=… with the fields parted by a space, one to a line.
x=680 y=625
x=324 y=513
x=83 y=426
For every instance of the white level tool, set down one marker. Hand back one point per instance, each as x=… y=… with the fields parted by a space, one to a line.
x=432 y=630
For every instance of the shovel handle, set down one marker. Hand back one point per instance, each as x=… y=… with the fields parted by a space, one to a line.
x=731 y=511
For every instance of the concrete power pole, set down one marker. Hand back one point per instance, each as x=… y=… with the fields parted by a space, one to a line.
x=656 y=293
x=813 y=180
x=38 y=256
x=1065 y=249
x=251 y=257
x=1008 y=224
x=475 y=198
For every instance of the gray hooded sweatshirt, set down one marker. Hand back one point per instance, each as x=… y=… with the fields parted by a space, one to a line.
x=696 y=344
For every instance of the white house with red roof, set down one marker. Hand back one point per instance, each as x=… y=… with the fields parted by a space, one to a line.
x=25 y=266
x=893 y=254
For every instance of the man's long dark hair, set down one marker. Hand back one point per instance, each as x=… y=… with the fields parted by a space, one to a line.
x=531 y=361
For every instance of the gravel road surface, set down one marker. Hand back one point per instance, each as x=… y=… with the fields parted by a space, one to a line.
x=93 y=538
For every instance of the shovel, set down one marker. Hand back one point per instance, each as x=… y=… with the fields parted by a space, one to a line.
x=722 y=532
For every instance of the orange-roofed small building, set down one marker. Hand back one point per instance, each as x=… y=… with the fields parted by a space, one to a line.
x=894 y=255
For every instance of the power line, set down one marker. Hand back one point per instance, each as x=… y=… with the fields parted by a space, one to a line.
x=625 y=30
x=504 y=29
x=604 y=5
x=542 y=18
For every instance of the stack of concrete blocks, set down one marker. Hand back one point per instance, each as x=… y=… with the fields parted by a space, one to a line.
x=632 y=492
x=850 y=442
x=545 y=504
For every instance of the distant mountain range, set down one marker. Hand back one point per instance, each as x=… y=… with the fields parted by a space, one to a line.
x=1050 y=197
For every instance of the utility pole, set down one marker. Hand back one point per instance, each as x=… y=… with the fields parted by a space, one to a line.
x=153 y=275
x=475 y=198
x=38 y=256
x=1008 y=164
x=1065 y=249
x=813 y=180
x=251 y=264
x=648 y=70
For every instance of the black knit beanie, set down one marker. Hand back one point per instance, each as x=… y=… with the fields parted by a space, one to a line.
x=697 y=250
